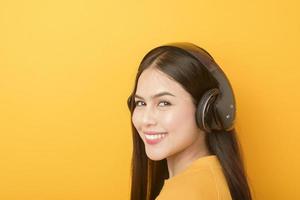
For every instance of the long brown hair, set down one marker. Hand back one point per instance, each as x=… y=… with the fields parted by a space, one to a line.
x=147 y=176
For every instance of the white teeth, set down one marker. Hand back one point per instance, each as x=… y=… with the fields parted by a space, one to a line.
x=154 y=137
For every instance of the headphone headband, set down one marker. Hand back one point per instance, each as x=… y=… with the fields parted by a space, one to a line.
x=225 y=106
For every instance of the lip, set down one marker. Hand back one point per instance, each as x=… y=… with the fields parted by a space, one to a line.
x=153 y=132
x=154 y=141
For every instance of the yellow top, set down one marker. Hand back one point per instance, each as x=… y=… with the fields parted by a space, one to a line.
x=202 y=180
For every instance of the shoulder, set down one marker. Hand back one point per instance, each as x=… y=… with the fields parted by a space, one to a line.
x=204 y=183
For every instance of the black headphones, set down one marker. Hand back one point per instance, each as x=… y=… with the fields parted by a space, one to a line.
x=221 y=100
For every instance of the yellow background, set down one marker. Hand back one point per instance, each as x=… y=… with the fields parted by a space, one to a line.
x=67 y=68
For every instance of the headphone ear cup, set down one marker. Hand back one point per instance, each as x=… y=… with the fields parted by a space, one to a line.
x=205 y=106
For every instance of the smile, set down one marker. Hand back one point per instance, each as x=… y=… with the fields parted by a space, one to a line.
x=154 y=139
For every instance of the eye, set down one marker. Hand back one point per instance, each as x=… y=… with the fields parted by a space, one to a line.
x=137 y=103
x=161 y=103
x=164 y=103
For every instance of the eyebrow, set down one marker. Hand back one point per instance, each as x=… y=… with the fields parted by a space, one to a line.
x=156 y=95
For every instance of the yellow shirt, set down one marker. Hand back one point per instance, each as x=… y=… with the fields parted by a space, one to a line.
x=202 y=180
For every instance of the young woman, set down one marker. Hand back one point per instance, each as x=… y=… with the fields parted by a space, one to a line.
x=182 y=117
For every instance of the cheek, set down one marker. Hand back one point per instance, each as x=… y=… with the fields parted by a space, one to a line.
x=180 y=120
x=134 y=120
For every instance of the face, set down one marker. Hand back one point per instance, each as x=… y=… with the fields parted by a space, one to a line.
x=164 y=115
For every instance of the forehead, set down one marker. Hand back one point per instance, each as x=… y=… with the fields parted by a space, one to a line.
x=153 y=81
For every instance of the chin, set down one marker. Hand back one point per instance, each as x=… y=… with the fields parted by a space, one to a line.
x=155 y=157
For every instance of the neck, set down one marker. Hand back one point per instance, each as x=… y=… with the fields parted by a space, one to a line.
x=180 y=161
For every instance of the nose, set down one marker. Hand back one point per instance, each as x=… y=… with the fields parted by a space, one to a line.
x=149 y=117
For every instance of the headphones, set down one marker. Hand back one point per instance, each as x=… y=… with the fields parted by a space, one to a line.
x=220 y=101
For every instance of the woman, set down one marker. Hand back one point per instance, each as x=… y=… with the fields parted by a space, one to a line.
x=184 y=142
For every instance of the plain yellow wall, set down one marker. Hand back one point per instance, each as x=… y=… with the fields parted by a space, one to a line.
x=67 y=68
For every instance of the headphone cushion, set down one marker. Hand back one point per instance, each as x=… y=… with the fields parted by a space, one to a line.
x=204 y=107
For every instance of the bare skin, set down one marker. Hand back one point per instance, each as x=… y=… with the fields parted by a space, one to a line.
x=171 y=114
